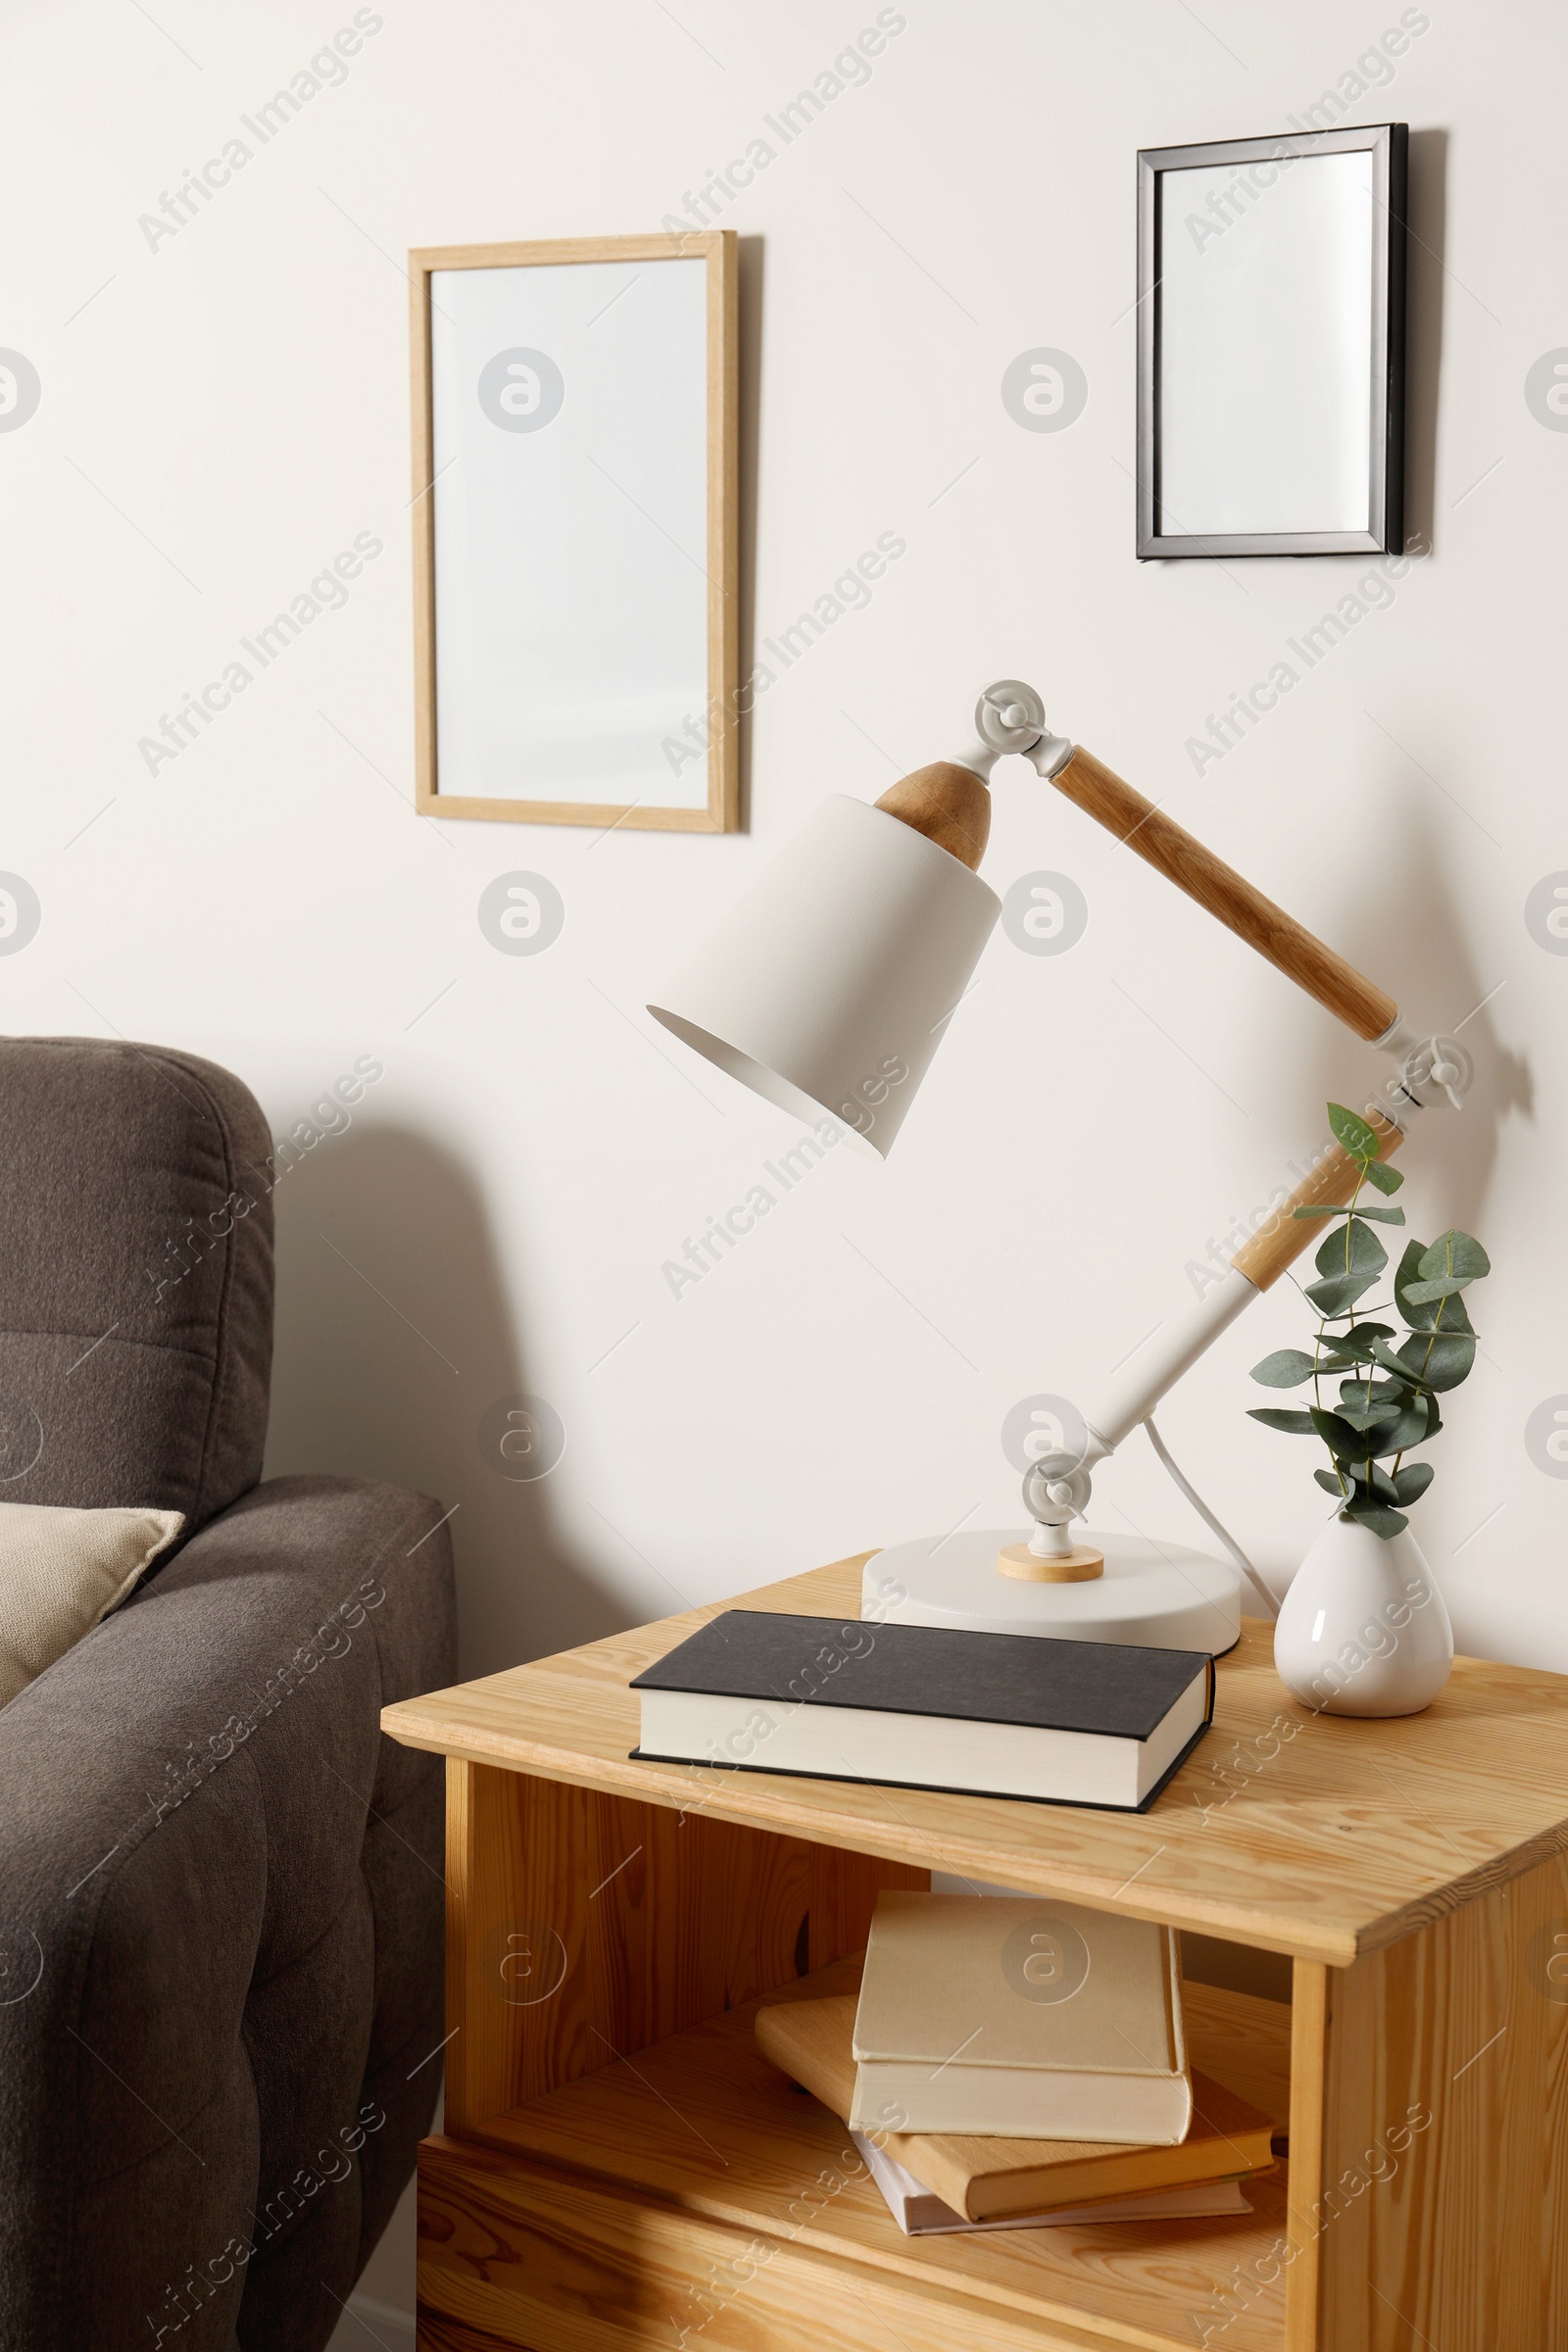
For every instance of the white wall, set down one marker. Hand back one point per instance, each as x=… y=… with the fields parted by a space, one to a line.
x=224 y=411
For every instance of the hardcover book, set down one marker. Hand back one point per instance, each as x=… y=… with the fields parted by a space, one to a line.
x=1088 y=1723
x=1021 y=2017
x=921 y=2213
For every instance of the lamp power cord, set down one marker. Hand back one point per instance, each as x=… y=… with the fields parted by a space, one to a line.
x=1252 y=1574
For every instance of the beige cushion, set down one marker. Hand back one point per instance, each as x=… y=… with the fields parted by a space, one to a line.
x=60 y=1571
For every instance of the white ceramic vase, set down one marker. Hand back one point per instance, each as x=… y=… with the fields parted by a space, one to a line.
x=1364 y=1630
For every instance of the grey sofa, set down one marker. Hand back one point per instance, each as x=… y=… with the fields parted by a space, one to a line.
x=221 y=1899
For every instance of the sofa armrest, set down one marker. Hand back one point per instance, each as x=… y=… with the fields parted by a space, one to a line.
x=220 y=1932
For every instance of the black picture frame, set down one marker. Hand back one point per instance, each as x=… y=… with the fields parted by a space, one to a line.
x=1160 y=535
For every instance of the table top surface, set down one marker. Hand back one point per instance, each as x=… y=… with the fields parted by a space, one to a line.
x=1314 y=1834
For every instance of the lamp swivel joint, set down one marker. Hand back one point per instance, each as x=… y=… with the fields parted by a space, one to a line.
x=1056 y=1492
x=1011 y=716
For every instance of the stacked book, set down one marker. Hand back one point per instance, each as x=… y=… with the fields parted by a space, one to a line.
x=1015 y=2063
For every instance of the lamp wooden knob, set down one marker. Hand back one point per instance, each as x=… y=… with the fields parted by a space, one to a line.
x=1076 y=1567
x=950 y=805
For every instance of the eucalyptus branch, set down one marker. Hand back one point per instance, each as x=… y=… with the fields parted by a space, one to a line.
x=1387 y=1397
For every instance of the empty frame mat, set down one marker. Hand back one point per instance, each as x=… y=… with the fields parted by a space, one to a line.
x=574 y=459
x=1271 y=283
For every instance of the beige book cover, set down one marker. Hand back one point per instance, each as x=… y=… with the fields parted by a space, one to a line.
x=1023 y=2017
x=987 y=2179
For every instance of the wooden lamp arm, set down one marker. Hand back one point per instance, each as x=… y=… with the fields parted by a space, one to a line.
x=1139 y=825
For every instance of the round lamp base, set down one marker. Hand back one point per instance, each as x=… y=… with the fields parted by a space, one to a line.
x=1156 y=1595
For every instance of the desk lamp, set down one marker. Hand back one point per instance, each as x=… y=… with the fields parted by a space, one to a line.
x=827 y=986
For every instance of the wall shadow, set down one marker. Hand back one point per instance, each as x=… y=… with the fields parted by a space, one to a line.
x=1406 y=933
x=394 y=1338
x=1425 y=283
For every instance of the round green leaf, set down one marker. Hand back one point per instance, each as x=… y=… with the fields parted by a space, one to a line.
x=1404 y=1366
x=1407 y=1271
x=1286 y=1368
x=1370 y=1393
x=1367 y=1419
x=1338 y=1292
x=1408 y=1427
x=1446 y=1285
x=1420 y=1309
x=1338 y=1436
x=1352 y=1345
x=1354 y=1132
x=1441 y=1360
x=1354 y=1249
x=1378 y=1516
x=1455 y=1253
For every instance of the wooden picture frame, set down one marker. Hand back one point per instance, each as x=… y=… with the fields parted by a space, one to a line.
x=708 y=803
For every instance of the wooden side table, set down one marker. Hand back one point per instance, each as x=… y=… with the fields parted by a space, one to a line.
x=622 y=2170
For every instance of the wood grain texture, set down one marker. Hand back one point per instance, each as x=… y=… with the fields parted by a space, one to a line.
x=435 y=2332
x=950 y=805
x=422 y=513
x=1450 y=2231
x=719 y=248
x=1079 y=1566
x=528 y=252
x=1321 y=1837
x=1279 y=1242
x=701 y=2133
x=1243 y=2042
x=515 y=2255
x=1226 y=894
x=1308 y=2047
x=581 y=1927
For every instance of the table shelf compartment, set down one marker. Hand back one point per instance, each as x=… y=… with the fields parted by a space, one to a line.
x=691 y=2192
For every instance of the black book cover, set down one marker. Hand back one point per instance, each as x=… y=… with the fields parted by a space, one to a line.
x=1106 y=1687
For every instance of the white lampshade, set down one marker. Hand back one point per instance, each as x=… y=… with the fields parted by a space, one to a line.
x=828 y=985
